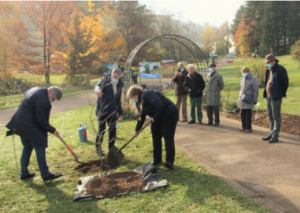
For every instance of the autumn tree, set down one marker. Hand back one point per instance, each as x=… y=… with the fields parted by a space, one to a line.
x=81 y=47
x=46 y=22
x=208 y=38
x=13 y=52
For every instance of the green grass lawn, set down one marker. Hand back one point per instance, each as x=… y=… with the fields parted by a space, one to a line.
x=289 y=104
x=189 y=190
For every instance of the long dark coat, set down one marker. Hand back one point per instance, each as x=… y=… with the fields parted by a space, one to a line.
x=155 y=105
x=179 y=80
x=109 y=102
x=32 y=117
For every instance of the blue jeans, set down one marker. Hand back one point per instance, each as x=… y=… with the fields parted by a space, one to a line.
x=274 y=108
x=40 y=155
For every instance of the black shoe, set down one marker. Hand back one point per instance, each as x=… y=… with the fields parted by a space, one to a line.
x=154 y=163
x=169 y=166
x=242 y=130
x=183 y=120
x=273 y=140
x=51 y=177
x=191 y=122
x=216 y=124
x=267 y=138
x=28 y=176
x=209 y=123
x=199 y=122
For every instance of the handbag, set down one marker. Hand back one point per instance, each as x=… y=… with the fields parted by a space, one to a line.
x=247 y=98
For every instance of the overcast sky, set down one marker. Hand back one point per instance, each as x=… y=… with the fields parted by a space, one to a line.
x=213 y=12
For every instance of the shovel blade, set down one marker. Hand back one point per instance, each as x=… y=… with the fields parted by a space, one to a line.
x=114 y=157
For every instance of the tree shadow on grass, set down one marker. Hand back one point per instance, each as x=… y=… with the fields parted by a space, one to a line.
x=59 y=201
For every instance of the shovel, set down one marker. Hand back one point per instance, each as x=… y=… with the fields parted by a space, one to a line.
x=115 y=156
x=72 y=152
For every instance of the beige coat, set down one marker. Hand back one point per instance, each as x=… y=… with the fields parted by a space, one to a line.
x=214 y=87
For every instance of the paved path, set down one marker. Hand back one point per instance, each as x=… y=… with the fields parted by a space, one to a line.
x=268 y=173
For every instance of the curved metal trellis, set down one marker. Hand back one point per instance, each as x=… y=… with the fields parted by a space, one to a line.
x=194 y=49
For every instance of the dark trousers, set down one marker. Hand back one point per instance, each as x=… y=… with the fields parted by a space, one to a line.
x=213 y=110
x=40 y=155
x=246 y=115
x=111 y=122
x=274 y=108
x=166 y=129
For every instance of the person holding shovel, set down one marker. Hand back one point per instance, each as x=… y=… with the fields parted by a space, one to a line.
x=164 y=117
x=32 y=117
x=109 y=92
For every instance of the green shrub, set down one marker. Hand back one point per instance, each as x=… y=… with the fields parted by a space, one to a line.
x=228 y=105
x=14 y=86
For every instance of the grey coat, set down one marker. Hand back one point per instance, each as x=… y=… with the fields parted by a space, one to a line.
x=248 y=85
x=214 y=87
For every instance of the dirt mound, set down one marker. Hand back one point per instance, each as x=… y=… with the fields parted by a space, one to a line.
x=289 y=123
x=116 y=183
x=94 y=166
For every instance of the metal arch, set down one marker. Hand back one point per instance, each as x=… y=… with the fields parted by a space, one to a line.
x=190 y=45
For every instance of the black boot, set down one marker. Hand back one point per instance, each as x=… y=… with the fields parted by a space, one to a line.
x=267 y=138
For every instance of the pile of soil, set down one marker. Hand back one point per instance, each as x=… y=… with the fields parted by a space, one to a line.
x=116 y=183
x=289 y=123
x=92 y=166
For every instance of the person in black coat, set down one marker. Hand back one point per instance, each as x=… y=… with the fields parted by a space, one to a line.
x=194 y=84
x=32 y=117
x=276 y=85
x=109 y=92
x=164 y=116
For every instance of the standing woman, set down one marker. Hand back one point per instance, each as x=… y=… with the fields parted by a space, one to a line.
x=249 y=87
x=164 y=116
x=180 y=92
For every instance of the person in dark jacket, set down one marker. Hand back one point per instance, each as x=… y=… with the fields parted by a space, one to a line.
x=276 y=85
x=164 y=116
x=195 y=85
x=180 y=93
x=32 y=117
x=109 y=92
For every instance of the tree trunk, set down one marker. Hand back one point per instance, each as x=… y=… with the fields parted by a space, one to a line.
x=47 y=79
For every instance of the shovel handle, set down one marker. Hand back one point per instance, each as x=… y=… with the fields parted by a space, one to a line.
x=69 y=148
x=147 y=124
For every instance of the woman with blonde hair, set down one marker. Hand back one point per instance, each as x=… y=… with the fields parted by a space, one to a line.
x=247 y=98
x=164 y=116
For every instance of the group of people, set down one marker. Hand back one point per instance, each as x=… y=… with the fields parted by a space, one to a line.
x=32 y=116
x=192 y=83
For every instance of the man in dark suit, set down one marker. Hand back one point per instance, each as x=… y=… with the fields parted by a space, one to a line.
x=32 y=117
x=109 y=92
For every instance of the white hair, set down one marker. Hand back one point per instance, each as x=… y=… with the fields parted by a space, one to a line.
x=190 y=66
x=180 y=64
